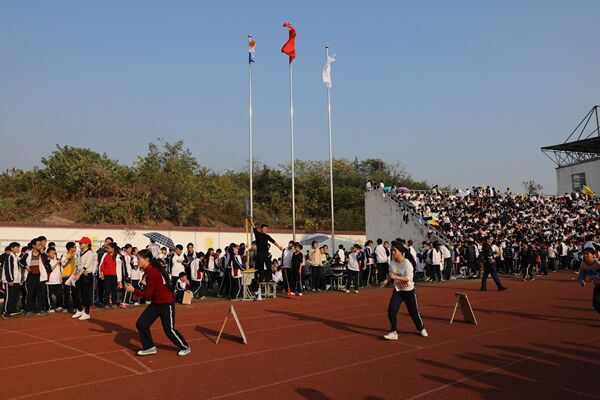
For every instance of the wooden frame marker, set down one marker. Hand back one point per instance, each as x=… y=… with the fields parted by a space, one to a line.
x=231 y=311
x=463 y=301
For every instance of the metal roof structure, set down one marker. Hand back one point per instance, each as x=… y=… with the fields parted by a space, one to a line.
x=585 y=145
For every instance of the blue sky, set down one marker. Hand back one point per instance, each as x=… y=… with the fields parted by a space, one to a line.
x=461 y=93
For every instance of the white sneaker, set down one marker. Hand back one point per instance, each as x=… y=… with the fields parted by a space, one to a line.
x=299 y=294
x=84 y=316
x=77 y=314
x=424 y=333
x=184 y=352
x=137 y=303
x=391 y=336
x=356 y=291
x=346 y=291
x=147 y=352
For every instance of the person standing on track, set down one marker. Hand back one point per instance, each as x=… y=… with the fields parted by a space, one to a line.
x=156 y=287
x=84 y=286
x=12 y=280
x=263 y=258
x=488 y=258
x=401 y=272
x=589 y=270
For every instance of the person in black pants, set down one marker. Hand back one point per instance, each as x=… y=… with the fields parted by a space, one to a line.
x=401 y=274
x=12 y=280
x=489 y=266
x=263 y=258
x=297 y=264
x=162 y=306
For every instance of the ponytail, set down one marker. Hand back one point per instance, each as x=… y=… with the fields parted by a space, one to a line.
x=156 y=263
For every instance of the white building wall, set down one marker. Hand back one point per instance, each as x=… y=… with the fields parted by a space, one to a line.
x=564 y=176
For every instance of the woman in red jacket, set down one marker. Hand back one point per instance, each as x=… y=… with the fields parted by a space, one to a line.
x=156 y=281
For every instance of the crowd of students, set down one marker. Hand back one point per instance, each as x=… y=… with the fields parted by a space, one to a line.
x=491 y=232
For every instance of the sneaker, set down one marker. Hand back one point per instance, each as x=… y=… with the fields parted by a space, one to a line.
x=65 y=311
x=77 y=314
x=51 y=311
x=123 y=305
x=29 y=314
x=5 y=316
x=137 y=303
x=391 y=336
x=300 y=294
x=532 y=278
x=84 y=316
x=42 y=313
x=424 y=333
x=184 y=352
x=59 y=309
x=346 y=291
x=147 y=352
x=356 y=291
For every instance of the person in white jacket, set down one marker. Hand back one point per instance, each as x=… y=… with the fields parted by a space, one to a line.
x=353 y=269
x=54 y=284
x=84 y=287
x=12 y=280
x=36 y=277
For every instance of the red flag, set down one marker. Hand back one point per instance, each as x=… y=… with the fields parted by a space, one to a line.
x=289 y=47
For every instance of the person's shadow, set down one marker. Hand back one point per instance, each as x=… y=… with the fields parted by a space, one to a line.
x=125 y=337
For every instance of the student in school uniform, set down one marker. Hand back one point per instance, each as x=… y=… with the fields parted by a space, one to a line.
x=224 y=270
x=84 y=276
x=68 y=263
x=286 y=266
x=36 y=277
x=297 y=265
x=177 y=264
x=181 y=286
x=209 y=269
x=111 y=274
x=353 y=269
x=369 y=262
x=54 y=284
x=197 y=275
x=401 y=273
x=235 y=267
x=135 y=275
x=12 y=280
x=157 y=288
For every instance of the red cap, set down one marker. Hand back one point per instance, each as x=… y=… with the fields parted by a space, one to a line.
x=85 y=239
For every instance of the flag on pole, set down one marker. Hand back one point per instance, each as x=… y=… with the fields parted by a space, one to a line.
x=289 y=47
x=251 y=44
x=327 y=71
x=587 y=191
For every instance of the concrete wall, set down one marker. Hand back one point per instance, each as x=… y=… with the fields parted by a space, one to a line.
x=384 y=219
x=591 y=169
x=202 y=239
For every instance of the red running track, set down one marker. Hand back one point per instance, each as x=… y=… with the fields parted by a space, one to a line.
x=539 y=338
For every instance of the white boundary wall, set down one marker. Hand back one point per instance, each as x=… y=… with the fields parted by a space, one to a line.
x=202 y=239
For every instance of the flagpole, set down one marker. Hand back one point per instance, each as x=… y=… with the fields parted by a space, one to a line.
x=293 y=157
x=250 y=132
x=330 y=158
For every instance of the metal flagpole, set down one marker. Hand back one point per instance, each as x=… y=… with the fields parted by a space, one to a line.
x=293 y=158
x=250 y=133
x=330 y=158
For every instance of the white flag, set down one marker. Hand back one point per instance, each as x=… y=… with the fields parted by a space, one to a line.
x=327 y=71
